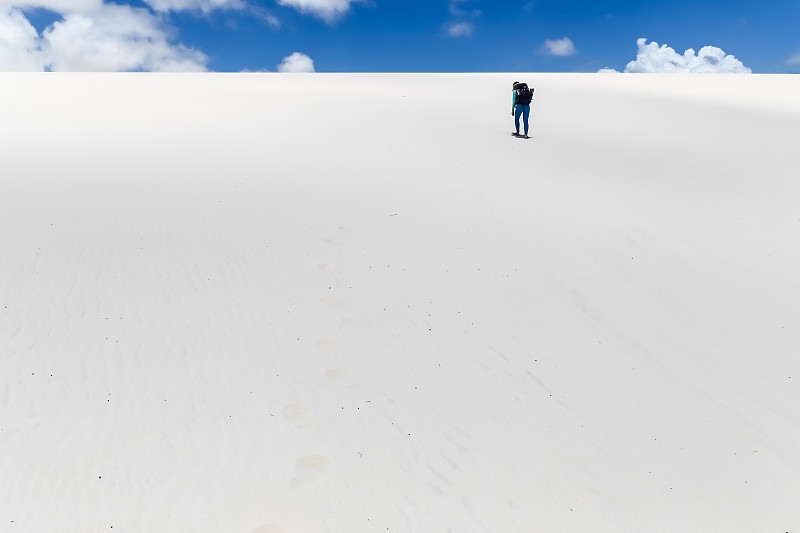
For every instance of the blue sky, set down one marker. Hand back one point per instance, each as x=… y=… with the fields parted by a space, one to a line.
x=398 y=35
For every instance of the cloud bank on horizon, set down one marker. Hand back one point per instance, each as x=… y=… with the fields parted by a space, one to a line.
x=652 y=58
x=93 y=35
x=97 y=35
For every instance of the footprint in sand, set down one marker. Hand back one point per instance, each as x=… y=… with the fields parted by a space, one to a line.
x=285 y=521
x=326 y=344
x=334 y=376
x=296 y=413
x=309 y=469
x=270 y=528
x=334 y=241
x=328 y=299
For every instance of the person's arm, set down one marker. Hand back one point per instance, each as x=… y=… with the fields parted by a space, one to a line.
x=513 y=101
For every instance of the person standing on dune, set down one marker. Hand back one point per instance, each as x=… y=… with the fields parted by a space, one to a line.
x=521 y=106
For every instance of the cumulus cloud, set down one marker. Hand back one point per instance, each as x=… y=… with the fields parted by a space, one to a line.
x=327 y=10
x=710 y=59
x=560 y=47
x=296 y=63
x=19 y=43
x=115 y=38
x=93 y=36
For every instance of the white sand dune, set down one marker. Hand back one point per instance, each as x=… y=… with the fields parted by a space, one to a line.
x=272 y=303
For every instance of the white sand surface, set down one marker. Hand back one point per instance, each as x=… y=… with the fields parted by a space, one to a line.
x=270 y=303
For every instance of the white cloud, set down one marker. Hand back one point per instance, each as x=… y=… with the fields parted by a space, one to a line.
x=560 y=47
x=296 y=63
x=19 y=43
x=710 y=59
x=261 y=13
x=460 y=29
x=204 y=6
x=108 y=37
x=794 y=59
x=327 y=10
x=57 y=6
x=85 y=6
x=116 y=38
x=96 y=36
x=460 y=13
x=461 y=25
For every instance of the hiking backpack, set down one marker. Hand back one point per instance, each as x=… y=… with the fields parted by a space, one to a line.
x=524 y=94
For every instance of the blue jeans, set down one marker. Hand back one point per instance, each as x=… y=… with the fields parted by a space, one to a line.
x=525 y=111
